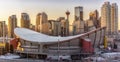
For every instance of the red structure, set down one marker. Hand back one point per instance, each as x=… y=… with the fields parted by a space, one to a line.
x=87 y=46
x=14 y=43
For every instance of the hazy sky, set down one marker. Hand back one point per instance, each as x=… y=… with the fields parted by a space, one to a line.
x=53 y=8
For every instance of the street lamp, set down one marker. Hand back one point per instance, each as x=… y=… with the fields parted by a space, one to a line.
x=58 y=46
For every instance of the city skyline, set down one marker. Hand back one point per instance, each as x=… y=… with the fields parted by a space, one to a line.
x=53 y=8
x=59 y=30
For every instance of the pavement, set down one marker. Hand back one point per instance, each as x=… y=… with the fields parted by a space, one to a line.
x=32 y=60
x=20 y=60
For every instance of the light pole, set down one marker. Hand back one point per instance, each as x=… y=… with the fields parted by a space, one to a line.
x=58 y=47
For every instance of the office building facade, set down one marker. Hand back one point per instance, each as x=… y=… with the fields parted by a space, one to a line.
x=12 y=24
x=114 y=18
x=94 y=16
x=79 y=13
x=3 y=29
x=42 y=24
x=25 y=20
x=109 y=17
x=78 y=23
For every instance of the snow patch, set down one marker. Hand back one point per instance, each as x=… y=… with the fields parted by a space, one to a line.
x=9 y=56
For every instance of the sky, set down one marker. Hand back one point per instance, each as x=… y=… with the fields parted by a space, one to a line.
x=53 y=8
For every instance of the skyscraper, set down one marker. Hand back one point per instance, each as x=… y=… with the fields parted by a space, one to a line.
x=37 y=28
x=96 y=14
x=60 y=26
x=78 y=27
x=114 y=18
x=25 y=20
x=41 y=18
x=3 y=29
x=79 y=13
x=42 y=24
x=78 y=24
x=109 y=17
x=106 y=16
x=90 y=25
x=56 y=27
x=63 y=26
x=94 y=17
x=12 y=23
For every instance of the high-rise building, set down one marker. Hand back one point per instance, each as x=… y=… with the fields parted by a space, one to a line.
x=79 y=13
x=109 y=17
x=12 y=24
x=3 y=29
x=42 y=24
x=64 y=24
x=91 y=15
x=25 y=20
x=59 y=27
x=94 y=17
x=32 y=27
x=90 y=25
x=114 y=18
x=37 y=28
x=106 y=16
x=78 y=24
x=56 y=27
x=78 y=27
x=96 y=14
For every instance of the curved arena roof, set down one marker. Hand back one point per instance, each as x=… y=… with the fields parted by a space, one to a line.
x=33 y=36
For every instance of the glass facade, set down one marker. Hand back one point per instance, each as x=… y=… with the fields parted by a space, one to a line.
x=79 y=13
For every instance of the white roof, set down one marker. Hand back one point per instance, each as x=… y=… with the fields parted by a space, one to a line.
x=33 y=36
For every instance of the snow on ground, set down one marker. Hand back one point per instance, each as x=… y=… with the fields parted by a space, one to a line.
x=112 y=55
x=9 y=56
x=98 y=59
